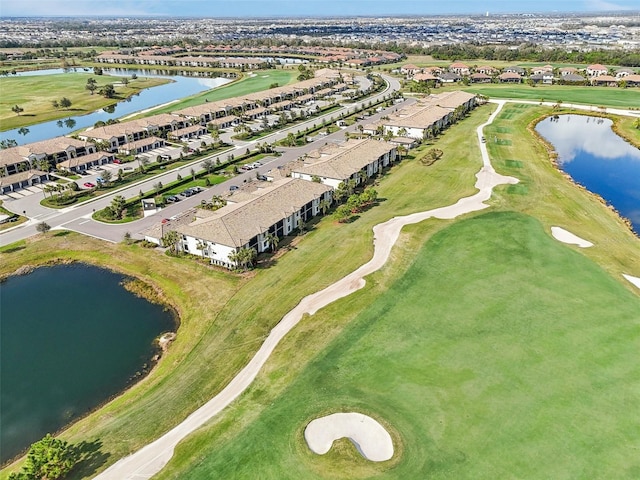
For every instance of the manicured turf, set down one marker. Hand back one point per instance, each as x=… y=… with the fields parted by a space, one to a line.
x=225 y=318
x=250 y=84
x=606 y=96
x=35 y=95
x=501 y=353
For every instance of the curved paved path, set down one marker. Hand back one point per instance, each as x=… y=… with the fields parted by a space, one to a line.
x=150 y=459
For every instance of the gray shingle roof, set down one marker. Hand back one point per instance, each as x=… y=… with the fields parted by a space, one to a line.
x=236 y=224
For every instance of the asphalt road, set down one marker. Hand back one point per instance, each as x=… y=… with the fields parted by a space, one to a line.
x=78 y=217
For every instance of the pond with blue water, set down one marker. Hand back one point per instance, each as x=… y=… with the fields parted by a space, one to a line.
x=597 y=158
x=178 y=88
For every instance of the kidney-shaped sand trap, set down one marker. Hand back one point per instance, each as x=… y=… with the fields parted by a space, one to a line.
x=369 y=437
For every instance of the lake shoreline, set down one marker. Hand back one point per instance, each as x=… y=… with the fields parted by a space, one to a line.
x=159 y=346
x=553 y=158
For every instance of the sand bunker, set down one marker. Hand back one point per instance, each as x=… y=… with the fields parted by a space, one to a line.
x=634 y=280
x=369 y=437
x=563 y=236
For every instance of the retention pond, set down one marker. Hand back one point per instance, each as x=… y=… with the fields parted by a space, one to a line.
x=71 y=337
x=597 y=158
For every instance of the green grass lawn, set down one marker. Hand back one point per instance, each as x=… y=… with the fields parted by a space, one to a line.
x=225 y=318
x=35 y=95
x=501 y=353
x=260 y=81
x=606 y=96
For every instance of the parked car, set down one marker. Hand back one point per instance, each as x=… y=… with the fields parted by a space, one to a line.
x=165 y=157
x=197 y=189
x=186 y=193
x=233 y=187
x=117 y=161
x=172 y=199
x=89 y=184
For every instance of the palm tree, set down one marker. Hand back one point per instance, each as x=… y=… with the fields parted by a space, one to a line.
x=202 y=246
x=143 y=162
x=273 y=240
x=48 y=188
x=208 y=165
x=324 y=206
x=401 y=151
x=351 y=186
x=171 y=239
x=244 y=257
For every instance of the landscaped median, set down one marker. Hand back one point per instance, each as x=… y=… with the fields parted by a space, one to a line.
x=131 y=209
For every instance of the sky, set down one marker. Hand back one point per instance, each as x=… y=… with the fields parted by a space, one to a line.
x=278 y=8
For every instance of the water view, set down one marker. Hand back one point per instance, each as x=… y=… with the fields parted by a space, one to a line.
x=71 y=337
x=596 y=157
x=178 y=88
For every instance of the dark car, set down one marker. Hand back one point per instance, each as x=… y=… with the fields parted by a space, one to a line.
x=186 y=193
x=173 y=199
x=233 y=187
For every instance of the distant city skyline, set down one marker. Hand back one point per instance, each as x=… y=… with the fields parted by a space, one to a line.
x=298 y=8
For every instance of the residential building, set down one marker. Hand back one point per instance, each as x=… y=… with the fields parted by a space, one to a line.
x=459 y=68
x=596 y=70
x=410 y=69
x=479 y=77
x=604 y=81
x=353 y=160
x=37 y=154
x=248 y=220
x=510 y=77
x=515 y=69
x=19 y=180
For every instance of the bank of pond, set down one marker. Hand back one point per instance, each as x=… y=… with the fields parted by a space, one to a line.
x=72 y=338
x=598 y=159
x=179 y=87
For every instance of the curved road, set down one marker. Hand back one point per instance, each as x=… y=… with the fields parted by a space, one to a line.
x=78 y=217
x=149 y=460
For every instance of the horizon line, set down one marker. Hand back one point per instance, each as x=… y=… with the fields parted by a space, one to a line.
x=382 y=15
